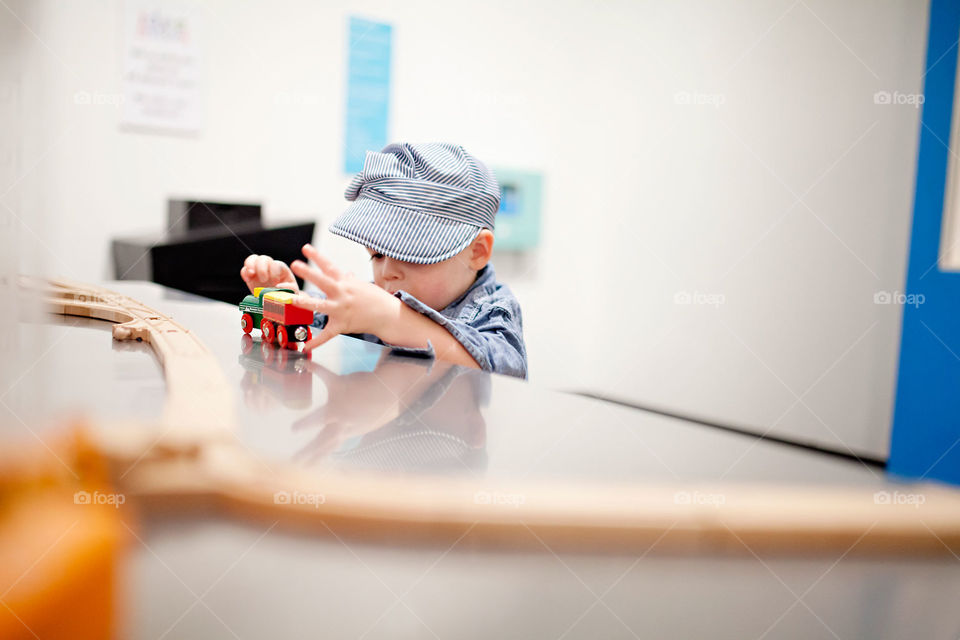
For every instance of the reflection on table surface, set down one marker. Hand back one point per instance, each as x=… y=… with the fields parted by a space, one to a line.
x=351 y=404
x=394 y=417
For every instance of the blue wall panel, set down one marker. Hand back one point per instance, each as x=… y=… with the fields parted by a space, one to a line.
x=926 y=424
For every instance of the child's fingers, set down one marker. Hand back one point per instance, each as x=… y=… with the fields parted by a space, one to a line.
x=327 y=284
x=263 y=268
x=249 y=270
x=289 y=285
x=322 y=261
x=322 y=338
x=279 y=271
x=317 y=305
x=245 y=276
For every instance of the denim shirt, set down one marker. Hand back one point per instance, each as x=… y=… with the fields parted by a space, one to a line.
x=486 y=320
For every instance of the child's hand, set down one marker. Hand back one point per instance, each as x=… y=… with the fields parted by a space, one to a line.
x=264 y=271
x=352 y=305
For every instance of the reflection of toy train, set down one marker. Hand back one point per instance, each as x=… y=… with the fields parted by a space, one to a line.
x=272 y=374
x=279 y=320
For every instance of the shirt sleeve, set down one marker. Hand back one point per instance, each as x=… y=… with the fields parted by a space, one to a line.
x=493 y=337
x=417 y=352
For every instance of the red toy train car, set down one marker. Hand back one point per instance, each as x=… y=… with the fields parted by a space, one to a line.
x=279 y=320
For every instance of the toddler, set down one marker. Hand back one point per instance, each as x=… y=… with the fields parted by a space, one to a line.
x=425 y=213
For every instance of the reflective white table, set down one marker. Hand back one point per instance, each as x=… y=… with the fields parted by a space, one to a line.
x=352 y=405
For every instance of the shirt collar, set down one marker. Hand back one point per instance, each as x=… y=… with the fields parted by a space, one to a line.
x=484 y=277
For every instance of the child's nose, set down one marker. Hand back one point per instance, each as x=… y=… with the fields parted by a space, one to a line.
x=391 y=270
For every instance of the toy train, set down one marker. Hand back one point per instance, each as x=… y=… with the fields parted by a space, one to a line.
x=272 y=310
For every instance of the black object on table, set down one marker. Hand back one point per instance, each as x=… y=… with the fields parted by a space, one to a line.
x=205 y=248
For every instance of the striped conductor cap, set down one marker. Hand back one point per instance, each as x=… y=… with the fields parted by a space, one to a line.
x=421 y=203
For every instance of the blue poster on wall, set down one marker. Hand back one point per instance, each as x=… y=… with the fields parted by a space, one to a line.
x=368 y=90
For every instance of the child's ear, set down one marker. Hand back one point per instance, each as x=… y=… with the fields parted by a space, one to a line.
x=481 y=249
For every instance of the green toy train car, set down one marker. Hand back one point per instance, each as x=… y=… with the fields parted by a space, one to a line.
x=272 y=310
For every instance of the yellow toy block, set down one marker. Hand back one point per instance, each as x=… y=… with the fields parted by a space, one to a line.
x=283 y=297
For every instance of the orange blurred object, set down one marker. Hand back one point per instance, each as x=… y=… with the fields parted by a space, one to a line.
x=61 y=539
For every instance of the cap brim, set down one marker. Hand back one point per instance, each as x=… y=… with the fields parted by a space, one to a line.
x=403 y=234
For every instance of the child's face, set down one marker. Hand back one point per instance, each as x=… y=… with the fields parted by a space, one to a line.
x=436 y=285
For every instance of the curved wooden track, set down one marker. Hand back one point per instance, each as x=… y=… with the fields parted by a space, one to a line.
x=198 y=397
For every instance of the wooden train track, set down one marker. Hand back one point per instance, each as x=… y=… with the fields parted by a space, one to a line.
x=198 y=400
x=630 y=519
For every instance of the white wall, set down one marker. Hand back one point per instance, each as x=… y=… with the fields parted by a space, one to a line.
x=644 y=197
